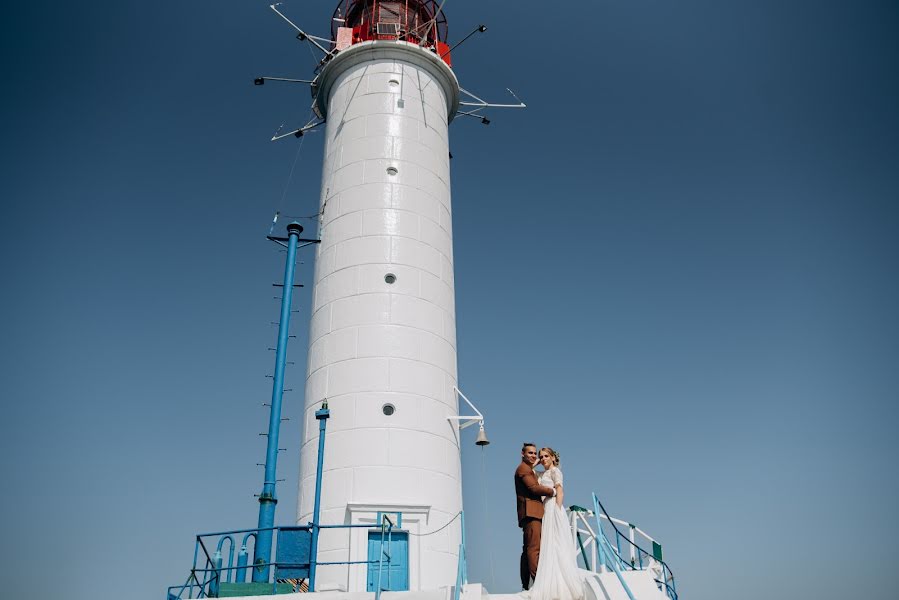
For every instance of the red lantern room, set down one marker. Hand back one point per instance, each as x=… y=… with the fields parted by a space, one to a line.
x=415 y=21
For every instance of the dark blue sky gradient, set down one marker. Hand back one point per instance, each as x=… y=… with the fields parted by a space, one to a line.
x=678 y=267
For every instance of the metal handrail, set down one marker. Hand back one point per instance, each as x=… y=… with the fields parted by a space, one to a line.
x=609 y=556
x=613 y=520
x=659 y=560
x=462 y=568
x=603 y=539
x=387 y=518
x=210 y=576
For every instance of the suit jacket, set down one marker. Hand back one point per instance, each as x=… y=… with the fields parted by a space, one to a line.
x=528 y=494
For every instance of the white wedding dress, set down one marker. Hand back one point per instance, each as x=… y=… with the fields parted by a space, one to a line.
x=558 y=576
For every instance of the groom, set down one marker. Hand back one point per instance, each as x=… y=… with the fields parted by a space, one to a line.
x=530 y=511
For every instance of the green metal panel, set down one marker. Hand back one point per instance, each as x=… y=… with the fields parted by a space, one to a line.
x=237 y=590
x=657 y=551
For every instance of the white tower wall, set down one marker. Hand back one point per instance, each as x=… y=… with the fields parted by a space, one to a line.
x=386 y=210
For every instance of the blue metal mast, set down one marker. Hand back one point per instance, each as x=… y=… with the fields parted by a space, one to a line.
x=267 y=499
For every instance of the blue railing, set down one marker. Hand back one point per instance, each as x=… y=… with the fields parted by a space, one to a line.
x=462 y=568
x=208 y=571
x=611 y=557
x=382 y=554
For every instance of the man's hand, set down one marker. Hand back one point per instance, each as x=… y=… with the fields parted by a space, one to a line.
x=529 y=479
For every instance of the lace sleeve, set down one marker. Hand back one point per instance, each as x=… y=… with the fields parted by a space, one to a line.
x=556 y=475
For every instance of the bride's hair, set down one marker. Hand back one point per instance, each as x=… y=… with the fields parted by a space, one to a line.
x=555 y=455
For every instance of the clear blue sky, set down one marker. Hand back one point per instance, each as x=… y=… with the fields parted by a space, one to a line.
x=678 y=267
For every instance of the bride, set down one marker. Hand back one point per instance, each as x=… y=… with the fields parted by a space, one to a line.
x=557 y=572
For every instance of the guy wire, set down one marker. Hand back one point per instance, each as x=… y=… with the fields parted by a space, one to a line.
x=487 y=512
x=293 y=167
x=296 y=157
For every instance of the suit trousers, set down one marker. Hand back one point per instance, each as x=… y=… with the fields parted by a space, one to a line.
x=530 y=549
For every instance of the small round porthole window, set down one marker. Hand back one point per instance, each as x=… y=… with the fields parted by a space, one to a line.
x=388 y=409
x=394 y=82
x=392 y=171
x=390 y=278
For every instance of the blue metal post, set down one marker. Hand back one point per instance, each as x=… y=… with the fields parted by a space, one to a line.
x=601 y=559
x=463 y=551
x=608 y=550
x=243 y=557
x=322 y=416
x=216 y=574
x=618 y=542
x=462 y=570
x=380 y=560
x=242 y=560
x=262 y=551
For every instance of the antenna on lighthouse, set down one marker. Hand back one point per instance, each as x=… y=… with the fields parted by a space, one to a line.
x=421 y=22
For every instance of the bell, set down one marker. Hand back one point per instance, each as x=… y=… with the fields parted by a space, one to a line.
x=482 y=437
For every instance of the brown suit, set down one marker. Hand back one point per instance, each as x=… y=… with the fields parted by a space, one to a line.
x=530 y=512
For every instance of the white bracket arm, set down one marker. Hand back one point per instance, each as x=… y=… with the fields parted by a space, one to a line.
x=302 y=34
x=296 y=132
x=467 y=420
x=264 y=78
x=483 y=104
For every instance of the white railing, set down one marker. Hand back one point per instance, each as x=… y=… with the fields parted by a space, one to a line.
x=607 y=549
x=586 y=542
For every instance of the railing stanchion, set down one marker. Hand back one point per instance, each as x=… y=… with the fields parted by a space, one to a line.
x=631 y=536
x=193 y=570
x=599 y=547
x=464 y=562
x=462 y=567
x=380 y=564
x=580 y=544
x=322 y=416
x=615 y=566
x=389 y=529
x=389 y=540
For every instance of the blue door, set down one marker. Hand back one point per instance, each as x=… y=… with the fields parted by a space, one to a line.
x=395 y=572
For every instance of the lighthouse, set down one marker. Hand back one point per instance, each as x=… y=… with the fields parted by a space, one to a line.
x=380 y=484
x=382 y=340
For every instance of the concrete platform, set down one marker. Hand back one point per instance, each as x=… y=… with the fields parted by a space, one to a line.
x=600 y=586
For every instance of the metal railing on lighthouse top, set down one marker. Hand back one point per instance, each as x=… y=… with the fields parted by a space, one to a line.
x=596 y=549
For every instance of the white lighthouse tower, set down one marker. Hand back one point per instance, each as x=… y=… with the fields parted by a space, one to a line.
x=382 y=343
x=380 y=494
